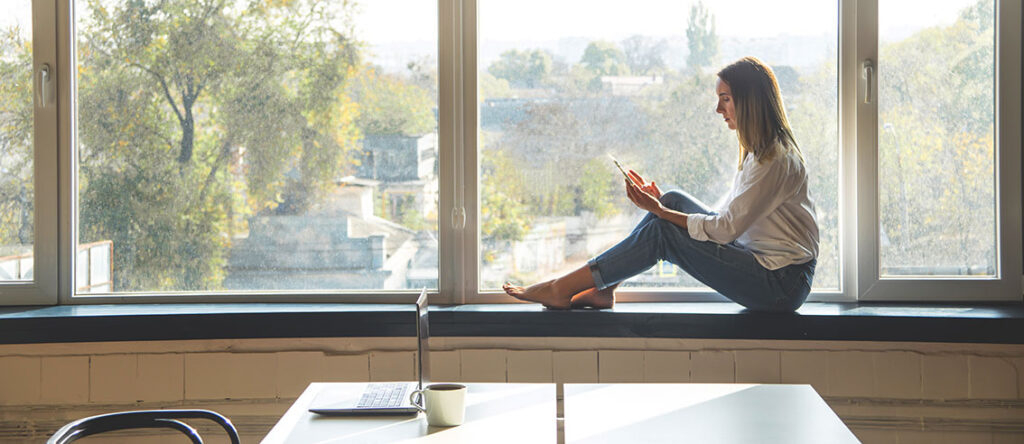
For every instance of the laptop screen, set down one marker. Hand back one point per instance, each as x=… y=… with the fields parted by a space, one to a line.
x=422 y=338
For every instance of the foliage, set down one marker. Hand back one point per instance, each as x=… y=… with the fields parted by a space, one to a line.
x=196 y=113
x=504 y=214
x=598 y=187
x=388 y=105
x=16 y=153
x=493 y=88
x=605 y=59
x=645 y=55
x=701 y=38
x=525 y=69
x=936 y=148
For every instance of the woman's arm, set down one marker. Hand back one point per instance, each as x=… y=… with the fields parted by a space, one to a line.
x=673 y=216
x=761 y=189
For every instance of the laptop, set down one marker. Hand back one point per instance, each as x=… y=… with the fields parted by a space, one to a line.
x=383 y=398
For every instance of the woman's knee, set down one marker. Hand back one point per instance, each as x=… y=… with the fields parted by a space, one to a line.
x=676 y=200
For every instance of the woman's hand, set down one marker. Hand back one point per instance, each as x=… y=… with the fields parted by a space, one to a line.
x=642 y=198
x=651 y=188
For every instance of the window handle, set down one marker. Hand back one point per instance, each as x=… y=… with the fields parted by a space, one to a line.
x=458 y=218
x=867 y=68
x=45 y=90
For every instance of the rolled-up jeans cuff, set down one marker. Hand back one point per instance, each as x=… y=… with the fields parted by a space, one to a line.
x=596 y=273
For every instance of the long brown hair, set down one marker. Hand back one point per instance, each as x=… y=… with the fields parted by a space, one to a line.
x=760 y=115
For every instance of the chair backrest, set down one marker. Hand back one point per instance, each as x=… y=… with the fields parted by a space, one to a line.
x=142 y=419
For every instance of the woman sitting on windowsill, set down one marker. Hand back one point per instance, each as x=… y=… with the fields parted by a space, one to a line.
x=759 y=250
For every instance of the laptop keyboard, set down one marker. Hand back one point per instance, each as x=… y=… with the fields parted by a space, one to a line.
x=383 y=395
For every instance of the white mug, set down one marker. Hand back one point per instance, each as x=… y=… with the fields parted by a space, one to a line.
x=445 y=404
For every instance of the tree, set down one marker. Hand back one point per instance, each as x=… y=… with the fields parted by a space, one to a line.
x=525 y=69
x=16 y=149
x=505 y=217
x=389 y=105
x=605 y=58
x=195 y=113
x=644 y=55
x=701 y=38
x=936 y=148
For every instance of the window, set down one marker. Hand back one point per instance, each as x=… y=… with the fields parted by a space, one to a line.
x=257 y=146
x=17 y=194
x=636 y=82
x=322 y=150
x=28 y=112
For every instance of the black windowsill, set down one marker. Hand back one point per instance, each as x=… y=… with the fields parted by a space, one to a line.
x=1000 y=324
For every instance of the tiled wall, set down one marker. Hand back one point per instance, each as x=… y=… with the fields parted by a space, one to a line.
x=885 y=392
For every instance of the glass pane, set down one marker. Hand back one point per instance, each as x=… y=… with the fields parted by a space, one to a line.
x=936 y=133
x=258 y=145
x=17 y=195
x=560 y=90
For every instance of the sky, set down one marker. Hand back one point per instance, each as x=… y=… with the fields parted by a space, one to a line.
x=618 y=19
x=381 y=21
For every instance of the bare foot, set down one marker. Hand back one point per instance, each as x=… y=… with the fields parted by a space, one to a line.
x=543 y=293
x=595 y=298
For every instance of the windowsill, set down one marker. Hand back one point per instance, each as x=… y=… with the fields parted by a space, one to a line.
x=698 y=320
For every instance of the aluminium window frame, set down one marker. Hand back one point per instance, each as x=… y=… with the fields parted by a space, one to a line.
x=458 y=274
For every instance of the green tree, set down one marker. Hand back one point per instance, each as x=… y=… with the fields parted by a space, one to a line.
x=605 y=58
x=390 y=105
x=701 y=38
x=195 y=113
x=599 y=188
x=505 y=216
x=492 y=87
x=525 y=69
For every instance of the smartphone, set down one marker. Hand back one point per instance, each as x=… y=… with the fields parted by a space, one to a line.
x=623 y=170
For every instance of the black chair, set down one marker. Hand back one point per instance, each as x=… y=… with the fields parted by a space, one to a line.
x=142 y=419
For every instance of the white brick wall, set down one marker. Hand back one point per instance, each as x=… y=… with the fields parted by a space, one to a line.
x=666 y=366
x=483 y=365
x=887 y=393
x=21 y=381
x=620 y=366
x=712 y=366
x=530 y=366
x=944 y=376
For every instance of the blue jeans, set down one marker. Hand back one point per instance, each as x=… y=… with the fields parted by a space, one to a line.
x=729 y=269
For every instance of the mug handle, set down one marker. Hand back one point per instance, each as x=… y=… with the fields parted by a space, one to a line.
x=412 y=400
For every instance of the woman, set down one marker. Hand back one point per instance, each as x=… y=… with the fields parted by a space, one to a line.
x=759 y=250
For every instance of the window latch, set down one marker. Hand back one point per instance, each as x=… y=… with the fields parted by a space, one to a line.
x=867 y=68
x=458 y=218
x=45 y=89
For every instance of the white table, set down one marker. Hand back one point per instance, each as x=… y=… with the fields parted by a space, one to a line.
x=521 y=413
x=700 y=413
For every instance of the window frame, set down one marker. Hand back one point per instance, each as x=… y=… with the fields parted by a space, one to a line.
x=43 y=288
x=458 y=267
x=1006 y=286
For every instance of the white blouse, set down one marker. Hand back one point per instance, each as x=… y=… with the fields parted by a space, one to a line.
x=768 y=211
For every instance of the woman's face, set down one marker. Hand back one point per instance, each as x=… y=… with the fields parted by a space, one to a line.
x=725 y=104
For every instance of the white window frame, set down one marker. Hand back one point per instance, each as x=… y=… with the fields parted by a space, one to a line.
x=459 y=254
x=42 y=289
x=1006 y=285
